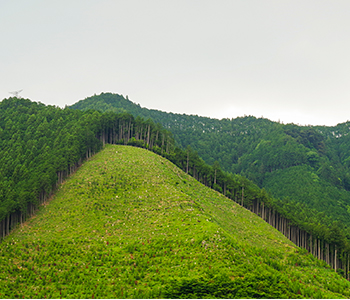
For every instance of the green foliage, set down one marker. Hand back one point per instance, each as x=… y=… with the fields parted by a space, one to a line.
x=296 y=164
x=252 y=147
x=40 y=145
x=306 y=167
x=130 y=224
x=254 y=286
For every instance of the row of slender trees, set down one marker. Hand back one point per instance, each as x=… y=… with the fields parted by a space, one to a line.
x=323 y=248
x=305 y=227
x=309 y=164
x=41 y=145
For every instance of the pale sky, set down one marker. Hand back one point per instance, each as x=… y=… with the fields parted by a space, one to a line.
x=280 y=59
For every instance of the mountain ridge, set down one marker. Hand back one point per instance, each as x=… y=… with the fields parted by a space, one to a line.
x=264 y=151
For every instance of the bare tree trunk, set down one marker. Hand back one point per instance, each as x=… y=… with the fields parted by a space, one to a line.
x=335 y=258
x=347 y=272
x=3 y=228
x=162 y=143
x=167 y=146
x=8 y=225
x=129 y=132
x=263 y=211
x=188 y=154
x=148 y=135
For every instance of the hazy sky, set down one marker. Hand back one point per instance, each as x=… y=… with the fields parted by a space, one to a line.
x=280 y=59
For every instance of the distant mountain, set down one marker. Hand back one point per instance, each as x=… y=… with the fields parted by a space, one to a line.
x=130 y=224
x=307 y=164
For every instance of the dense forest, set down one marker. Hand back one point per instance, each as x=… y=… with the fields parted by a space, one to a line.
x=306 y=164
x=41 y=145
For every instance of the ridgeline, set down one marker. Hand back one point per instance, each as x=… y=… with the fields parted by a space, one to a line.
x=303 y=171
x=308 y=165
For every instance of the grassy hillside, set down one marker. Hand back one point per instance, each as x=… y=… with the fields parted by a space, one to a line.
x=262 y=151
x=131 y=224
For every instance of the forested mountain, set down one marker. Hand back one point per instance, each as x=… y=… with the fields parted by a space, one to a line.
x=130 y=224
x=40 y=145
x=305 y=164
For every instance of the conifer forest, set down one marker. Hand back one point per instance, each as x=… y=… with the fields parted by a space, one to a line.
x=106 y=199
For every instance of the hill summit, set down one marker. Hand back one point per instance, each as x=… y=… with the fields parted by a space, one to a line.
x=129 y=223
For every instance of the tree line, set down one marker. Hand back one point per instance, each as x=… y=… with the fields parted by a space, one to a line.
x=310 y=229
x=41 y=145
x=307 y=164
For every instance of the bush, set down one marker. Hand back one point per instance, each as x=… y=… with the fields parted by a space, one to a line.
x=222 y=286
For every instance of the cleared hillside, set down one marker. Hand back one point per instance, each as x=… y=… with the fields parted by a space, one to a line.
x=268 y=153
x=131 y=224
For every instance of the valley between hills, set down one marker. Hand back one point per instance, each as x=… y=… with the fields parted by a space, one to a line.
x=130 y=224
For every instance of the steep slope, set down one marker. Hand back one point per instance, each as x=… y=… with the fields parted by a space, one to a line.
x=131 y=224
x=268 y=153
x=40 y=145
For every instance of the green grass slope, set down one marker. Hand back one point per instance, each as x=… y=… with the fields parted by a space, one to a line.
x=130 y=224
x=262 y=151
